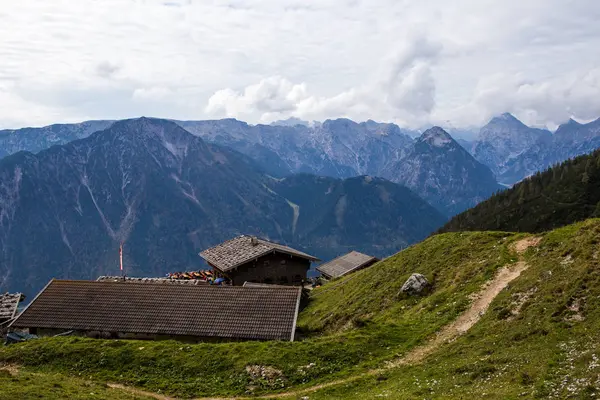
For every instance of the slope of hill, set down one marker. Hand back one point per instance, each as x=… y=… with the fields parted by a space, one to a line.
x=168 y=194
x=442 y=172
x=536 y=337
x=562 y=195
x=329 y=209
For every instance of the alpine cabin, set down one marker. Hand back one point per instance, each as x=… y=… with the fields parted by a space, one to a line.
x=250 y=259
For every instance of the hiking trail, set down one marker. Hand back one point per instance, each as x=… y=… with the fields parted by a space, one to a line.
x=448 y=333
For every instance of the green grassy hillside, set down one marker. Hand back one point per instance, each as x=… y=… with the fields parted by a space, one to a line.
x=539 y=340
x=562 y=195
x=539 y=337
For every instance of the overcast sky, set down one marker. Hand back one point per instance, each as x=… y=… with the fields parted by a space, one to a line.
x=454 y=63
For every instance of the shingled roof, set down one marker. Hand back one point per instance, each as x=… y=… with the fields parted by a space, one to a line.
x=259 y=313
x=240 y=250
x=8 y=305
x=345 y=264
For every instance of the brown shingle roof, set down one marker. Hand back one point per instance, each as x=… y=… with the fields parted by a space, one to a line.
x=8 y=305
x=240 y=250
x=201 y=311
x=345 y=264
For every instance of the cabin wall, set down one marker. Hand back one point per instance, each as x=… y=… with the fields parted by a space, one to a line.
x=274 y=268
x=133 y=336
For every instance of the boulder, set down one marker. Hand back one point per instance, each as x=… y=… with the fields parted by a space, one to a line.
x=415 y=285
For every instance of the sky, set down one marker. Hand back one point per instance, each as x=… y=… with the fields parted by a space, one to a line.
x=416 y=63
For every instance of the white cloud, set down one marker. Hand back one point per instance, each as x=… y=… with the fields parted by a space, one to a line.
x=402 y=89
x=541 y=102
x=406 y=61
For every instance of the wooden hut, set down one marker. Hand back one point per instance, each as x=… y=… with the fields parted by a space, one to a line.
x=346 y=264
x=250 y=259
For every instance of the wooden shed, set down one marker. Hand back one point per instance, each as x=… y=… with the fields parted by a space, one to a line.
x=250 y=259
x=346 y=264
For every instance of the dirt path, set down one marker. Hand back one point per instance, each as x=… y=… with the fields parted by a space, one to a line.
x=138 y=392
x=522 y=245
x=466 y=320
x=449 y=333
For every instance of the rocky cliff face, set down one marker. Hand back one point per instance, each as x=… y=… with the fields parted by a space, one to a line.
x=503 y=139
x=168 y=194
x=570 y=140
x=337 y=148
x=443 y=172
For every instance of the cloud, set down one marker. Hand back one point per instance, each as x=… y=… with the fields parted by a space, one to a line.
x=405 y=61
x=403 y=86
x=106 y=69
x=541 y=102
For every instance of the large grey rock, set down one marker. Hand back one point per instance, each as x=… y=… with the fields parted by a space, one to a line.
x=415 y=285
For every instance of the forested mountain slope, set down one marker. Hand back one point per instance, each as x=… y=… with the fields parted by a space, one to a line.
x=563 y=194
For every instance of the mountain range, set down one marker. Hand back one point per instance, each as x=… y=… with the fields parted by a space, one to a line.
x=514 y=151
x=445 y=176
x=168 y=194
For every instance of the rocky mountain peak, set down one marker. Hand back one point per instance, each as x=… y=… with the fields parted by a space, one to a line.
x=505 y=124
x=339 y=124
x=508 y=117
x=292 y=121
x=147 y=130
x=436 y=137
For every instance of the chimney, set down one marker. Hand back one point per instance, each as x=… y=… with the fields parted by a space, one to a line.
x=253 y=241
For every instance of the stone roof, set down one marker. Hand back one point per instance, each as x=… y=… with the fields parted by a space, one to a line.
x=240 y=250
x=128 y=279
x=8 y=305
x=345 y=264
x=227 y=312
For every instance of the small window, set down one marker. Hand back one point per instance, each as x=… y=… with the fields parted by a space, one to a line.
x=283 y=279
x=283 y=262
x=297 y=278
x=266 y=263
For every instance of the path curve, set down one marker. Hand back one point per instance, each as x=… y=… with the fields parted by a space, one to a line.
x=448 y=333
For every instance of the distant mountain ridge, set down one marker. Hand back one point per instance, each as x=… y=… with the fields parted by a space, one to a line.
x=570 y=140
x=168 y=194
x=514 y=151
x=38 y=139
x=342 y=148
